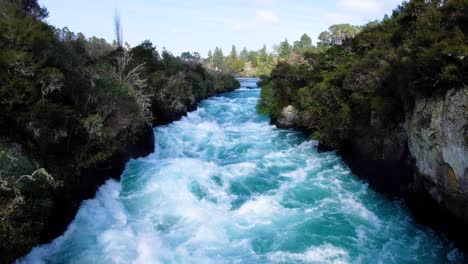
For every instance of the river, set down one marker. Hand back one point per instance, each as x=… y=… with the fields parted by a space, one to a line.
x=224 y=186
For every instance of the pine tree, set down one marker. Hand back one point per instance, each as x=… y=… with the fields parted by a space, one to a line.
x=210 y=55
x=284 y=49
x=233 y=54
x=218 y=57
x=244 y=54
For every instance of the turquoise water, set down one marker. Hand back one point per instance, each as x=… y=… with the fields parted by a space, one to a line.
x=226 y=187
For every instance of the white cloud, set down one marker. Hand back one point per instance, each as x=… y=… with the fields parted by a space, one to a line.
x=264 y=2
x=266 y=17
x=238 y=26
x=261 y=17
x=338 y=18
x=361 y=6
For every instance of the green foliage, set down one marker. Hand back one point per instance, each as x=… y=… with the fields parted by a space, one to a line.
x=362 y=80
x=14 y=164
x=268 y=105
x=337 y=34
x=217 y=58
x=305 y=43
x=26 y=197
x=284 y=50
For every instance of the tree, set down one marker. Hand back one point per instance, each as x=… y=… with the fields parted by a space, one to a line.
x=190 y=57
x=244 y=54
x=33 y=8
x=284 y=49
x=325 y=38
x=336 y=34
x=118 y=30
x=303 y=43
x=97 y=47
x=196 y=56
x=218 y=58
x=210 y=55
x=233 y=54
x=232 y=63
x=186 y=56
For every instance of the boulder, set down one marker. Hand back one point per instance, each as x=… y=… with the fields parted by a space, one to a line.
x=289 y=117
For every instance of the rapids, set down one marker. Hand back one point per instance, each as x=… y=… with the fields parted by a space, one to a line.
x=224 y=186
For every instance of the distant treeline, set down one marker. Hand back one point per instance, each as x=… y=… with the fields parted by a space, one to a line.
x=260 y=63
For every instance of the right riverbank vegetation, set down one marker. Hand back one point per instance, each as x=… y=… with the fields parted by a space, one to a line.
x=351 y=81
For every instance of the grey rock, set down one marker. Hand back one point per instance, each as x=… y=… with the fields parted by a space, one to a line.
x=289 y=117
x=437 y=140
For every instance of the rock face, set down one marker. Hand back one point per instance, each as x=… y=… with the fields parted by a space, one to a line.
x=438 y=141
x=289 y=117
x=428 y=153
x=383 y=160
x=424 y=160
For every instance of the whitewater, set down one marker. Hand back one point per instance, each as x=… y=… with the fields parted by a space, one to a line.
x=224 y=186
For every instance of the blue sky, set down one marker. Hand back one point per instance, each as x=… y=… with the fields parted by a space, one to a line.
x=204 y=24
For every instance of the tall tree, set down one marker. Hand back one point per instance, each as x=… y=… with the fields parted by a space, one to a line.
x=336 y=34
x=284 y=49
x=304 y=42
x=118 y=29
x=210 y=55
x=244 y=54
x=218 y=57
x=233 y=54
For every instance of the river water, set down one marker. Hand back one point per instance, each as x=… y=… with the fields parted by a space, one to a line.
x=226 y=187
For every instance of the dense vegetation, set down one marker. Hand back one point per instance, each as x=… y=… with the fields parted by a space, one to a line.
x=69 y=103
x=352 y=84
x=260 y=63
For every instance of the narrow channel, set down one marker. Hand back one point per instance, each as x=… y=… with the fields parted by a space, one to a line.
x=224 y=186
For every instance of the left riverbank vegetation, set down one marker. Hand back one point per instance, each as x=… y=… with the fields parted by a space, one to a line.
x=68 y=102
x=362 y=81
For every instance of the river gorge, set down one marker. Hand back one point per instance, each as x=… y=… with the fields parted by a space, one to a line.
x=225 y=186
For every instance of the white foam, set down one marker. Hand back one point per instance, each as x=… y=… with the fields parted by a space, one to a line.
x=358 y=209
x=322 y=254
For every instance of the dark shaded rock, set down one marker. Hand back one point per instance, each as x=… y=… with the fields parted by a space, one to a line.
x=384 y=162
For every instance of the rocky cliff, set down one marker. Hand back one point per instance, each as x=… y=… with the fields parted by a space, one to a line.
x=437 y=133
x=423 y=160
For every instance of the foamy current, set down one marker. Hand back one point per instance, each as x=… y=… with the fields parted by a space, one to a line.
x=226 y=187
